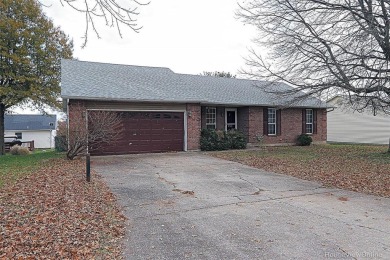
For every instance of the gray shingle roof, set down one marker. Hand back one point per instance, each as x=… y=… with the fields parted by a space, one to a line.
x=102 y=81
x=30 y=122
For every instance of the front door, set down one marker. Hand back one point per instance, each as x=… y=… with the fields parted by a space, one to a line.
x=230 y=118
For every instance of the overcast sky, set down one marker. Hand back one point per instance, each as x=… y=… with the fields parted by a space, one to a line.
x=187 y=36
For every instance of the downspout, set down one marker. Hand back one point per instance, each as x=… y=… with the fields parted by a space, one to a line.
x=67 y=123
x=86 y=126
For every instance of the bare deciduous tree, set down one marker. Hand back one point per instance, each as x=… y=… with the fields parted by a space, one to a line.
x=114 y=13
x=104 y=127
x=220 y=74
x=323 y=47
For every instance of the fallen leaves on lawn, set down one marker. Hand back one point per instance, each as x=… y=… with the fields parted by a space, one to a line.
x=358 y=168
x=55 y=214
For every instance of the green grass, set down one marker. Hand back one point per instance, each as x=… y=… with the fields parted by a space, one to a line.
x=369 y=153
x=13 y=167
x=362 y=168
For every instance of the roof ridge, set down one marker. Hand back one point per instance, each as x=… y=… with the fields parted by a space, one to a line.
x=117 y=64
x=126 y=82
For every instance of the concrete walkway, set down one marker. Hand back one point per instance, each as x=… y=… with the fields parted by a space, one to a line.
x=190 y=205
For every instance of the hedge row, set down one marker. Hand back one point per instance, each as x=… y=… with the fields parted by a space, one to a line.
x=212 y=140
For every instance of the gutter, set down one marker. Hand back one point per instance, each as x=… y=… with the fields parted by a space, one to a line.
x=201 y=102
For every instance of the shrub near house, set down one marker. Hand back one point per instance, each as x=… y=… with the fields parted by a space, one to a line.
x=304 y=140
x=212 y=140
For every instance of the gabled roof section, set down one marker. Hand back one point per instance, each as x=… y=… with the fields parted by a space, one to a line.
x=30 y=122
x=102 y=81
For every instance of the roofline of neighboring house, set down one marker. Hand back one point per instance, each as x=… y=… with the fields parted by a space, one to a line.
x=181 y=102
x=332 y=98
x=13 y=114
x=30 y=130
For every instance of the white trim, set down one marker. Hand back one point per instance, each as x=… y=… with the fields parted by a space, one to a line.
x=185 y=121
x=276 y=121
x=215 y=117
x=312 y=121
x=231 y=109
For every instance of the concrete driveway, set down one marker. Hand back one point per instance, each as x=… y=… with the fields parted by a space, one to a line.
x=190 y=205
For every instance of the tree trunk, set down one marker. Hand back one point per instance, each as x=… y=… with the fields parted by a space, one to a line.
x=2 y=112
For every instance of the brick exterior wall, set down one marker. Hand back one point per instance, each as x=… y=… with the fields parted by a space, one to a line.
x=291 y=126
x=322 y=124
x=255 y=122
x=250 y=122
x=194 y=126
x=71 y=112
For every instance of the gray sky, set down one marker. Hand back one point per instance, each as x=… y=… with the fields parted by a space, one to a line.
x=187 y=36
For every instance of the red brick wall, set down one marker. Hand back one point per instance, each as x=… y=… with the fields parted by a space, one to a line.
x=321 y=135
x=72 y=113
x=193 y=126
x=77 y=124
x=255 y=123
x=291 y=126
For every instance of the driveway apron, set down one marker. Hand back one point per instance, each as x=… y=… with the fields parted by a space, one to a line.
x=190 y=205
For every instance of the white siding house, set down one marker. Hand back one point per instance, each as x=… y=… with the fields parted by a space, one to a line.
x=37 y=128
x=349 y=126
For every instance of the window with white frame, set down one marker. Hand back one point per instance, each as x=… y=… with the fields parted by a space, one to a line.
x=271 y=121
x=309 y=121
x=211 y=118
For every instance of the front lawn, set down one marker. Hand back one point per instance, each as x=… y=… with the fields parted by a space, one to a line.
x=359 y=168
x=49 y=211
x=13 y=167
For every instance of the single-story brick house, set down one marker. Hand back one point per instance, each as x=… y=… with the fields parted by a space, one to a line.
x=165 y=111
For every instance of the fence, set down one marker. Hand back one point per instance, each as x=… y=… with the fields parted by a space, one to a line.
x=28 y=144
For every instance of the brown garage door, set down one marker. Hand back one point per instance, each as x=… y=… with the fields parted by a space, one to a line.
x=148 y=132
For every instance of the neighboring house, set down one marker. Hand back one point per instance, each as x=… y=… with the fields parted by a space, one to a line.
x=165 y=111
x=37 y=128
x=349 y=126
